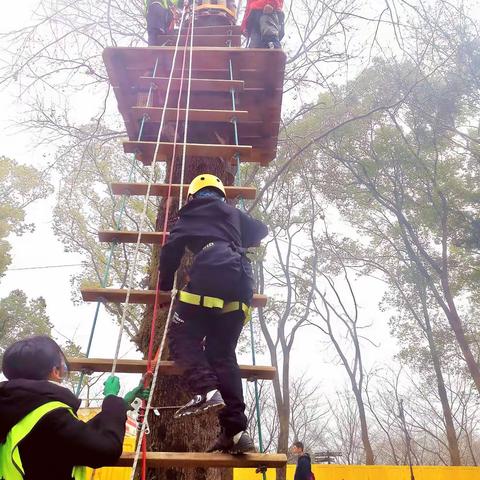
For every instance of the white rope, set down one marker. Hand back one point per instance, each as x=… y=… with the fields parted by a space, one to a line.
x=185 y=130
x=154 y=382
x=145 y=205
x=174 y=289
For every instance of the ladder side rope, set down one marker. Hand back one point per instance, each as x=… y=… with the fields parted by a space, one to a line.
x=145 y=205
x=185 y=132
x=147 y=378
x=140 y=442
x=242 y=206
x=118 y=222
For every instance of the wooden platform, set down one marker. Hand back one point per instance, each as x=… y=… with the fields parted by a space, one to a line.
x=144 y=151
x=260 y=72
x=123 y=236
x=253 y=372
x=161 y=190
x=215 y=30
x=207 y=460
x=117 y=295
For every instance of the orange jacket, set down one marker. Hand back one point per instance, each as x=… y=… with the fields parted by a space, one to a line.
x=259 y=5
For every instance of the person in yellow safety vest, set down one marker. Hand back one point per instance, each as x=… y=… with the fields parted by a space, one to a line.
x=40 y=436
x=160 y=20
x=211 y=310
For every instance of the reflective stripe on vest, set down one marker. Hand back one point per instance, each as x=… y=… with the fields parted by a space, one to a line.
x=11 y=467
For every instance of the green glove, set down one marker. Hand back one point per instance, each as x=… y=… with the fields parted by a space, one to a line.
x=111 y=386
x=138 y=392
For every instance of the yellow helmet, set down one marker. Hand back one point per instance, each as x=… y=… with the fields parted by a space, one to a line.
x=205 y=180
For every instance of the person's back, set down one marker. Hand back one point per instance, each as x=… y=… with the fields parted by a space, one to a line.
x=211 y=309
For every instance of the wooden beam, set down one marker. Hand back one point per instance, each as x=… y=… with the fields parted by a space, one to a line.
x=197 y=85
x=154 y=114
x=146 y=297
x=207 y=460
x=201 y=40
x=214 y=30
x=161 y=190
x=251 y=372
x=144 y=151
x=123 y=236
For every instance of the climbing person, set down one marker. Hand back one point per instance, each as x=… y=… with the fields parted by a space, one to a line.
x=160 y=20
x=40 y=434
x=211 y=310
x=304 y=463
x=264 y=23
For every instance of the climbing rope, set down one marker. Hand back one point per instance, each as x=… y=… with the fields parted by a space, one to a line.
x=141 y=444
x=238 y=181
x=145 y=204
x=118 y=222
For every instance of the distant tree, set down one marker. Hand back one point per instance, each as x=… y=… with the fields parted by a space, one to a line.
x=21 y=317
x=20 y=185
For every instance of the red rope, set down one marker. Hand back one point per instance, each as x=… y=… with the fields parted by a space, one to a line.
x=150 y=363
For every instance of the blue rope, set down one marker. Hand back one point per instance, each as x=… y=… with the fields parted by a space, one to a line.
x=118 y=223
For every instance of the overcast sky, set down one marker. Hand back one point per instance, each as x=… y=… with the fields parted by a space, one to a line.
x=41 y=248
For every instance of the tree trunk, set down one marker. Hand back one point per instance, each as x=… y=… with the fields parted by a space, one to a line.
x=367 y=446
x=442 y=393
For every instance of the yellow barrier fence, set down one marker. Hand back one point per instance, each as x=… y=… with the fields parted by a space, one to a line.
x=374 y=472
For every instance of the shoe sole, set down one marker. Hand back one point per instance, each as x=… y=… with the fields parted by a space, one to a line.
x=201 y=411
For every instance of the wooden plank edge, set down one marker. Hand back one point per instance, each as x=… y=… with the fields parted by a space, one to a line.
x=251 y=372
x=145 y=297
x=207 y=460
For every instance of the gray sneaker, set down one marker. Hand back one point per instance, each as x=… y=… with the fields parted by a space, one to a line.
x=238 y=444
x=212 y=401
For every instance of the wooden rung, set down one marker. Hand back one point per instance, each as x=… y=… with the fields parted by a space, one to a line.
x=146 y=297
x=197 y=85
x=144 y=151
x=260 y=372
x=214 y=30
x=200 y=40
x=207 y=460
x=154 y=114
x=161 y=190
x=115 y=236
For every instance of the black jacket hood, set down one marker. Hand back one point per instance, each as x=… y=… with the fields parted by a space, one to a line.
x=20 y=397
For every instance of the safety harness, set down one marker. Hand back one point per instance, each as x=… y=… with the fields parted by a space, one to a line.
x=11 y=467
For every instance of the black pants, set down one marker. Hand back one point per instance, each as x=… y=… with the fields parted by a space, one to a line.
x=211 y=364
x=159 y=22
x=265 y=29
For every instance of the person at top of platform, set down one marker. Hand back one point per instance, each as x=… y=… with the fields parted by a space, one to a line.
x=40 y=435
x=264 y=23
x=160 y=20
x=211 y=310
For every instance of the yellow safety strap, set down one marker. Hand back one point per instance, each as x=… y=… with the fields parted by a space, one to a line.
x=214 y=302
x=200 y=300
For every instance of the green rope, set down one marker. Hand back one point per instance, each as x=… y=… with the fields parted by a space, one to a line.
x=238 y=182
x=118 y=222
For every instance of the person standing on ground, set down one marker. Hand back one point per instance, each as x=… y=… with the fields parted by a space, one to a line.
x=264 y=23
x=40 y=434
x=304 y=464
x=212 y=308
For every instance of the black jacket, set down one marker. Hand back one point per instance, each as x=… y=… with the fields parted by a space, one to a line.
x=59 y=441
x=218 y=234
x=304 y=468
